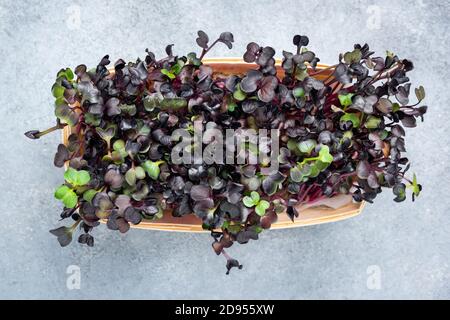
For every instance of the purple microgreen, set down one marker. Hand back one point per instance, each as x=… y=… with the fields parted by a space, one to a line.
x=341 y=131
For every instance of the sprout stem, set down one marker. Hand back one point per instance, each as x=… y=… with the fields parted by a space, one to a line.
x=407 y=180
x=316 y=199
x=205 y=51
x=379 y=76
x=108 y=146
x=337 y=88
x=35 y=134
x=305 y=193
x=226 y=255
x=72 y=228
x=308 y=159
x=322 y=70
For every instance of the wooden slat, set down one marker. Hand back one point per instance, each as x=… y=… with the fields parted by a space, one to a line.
x=310 y=216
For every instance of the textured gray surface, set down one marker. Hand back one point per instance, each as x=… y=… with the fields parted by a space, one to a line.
x=410 y=243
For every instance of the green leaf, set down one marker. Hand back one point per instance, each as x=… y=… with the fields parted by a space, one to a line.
x=400 y=192
x=192 y=59
x=173 y=103
x=298 y=92
x=71 y=175
x=67 y=196
x=151 y=102
x=395 y=107
x=415 y=186
x=117 y=157
x=60 y=101
x=383 y=134
x=107 y=158
x=92 y=119
x=295 y=174
x=119 y=145
x=258 y=229
x=176 y=68
x=231 y=106
x=83 y=178
x=305 y=169
x=130 y=177
x=88 y=195
x=255 y=197
x=143 y=128
x=348 y=134
x=225 y=224
x=315 y=170
x=140 y=173
x=261 y=208
x=324 y=155
x=372 y=122
x=168 y=73
x=69 y=74
x=152 y=168
x=70 y=199
x=278 y=206
x=292 y=145
x=420 y=93
x=238 y=94
x=248 y=201
x=353 y=57
x=252 y=148
x=58 y=90
x=307 y=146
x=129 y=109
x=353 y=117
x=66 y=73
x=107 y=133
x=345 y=99
x=77 y=178
x=321 y=165
x=66 y=114
x=301 y=73
x=61 y=192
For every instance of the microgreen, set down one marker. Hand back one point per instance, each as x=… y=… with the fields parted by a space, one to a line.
x=67 y=196
x=324 y=156
x=77 y=178
x=88 y=195
x=352 y=117
x=345 y=99
x=64 y=234
x=420 y=93
x=152 y=168
x=254 y=200
x=341 y=135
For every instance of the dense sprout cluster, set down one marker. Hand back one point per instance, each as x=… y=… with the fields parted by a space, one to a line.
x=341 y=135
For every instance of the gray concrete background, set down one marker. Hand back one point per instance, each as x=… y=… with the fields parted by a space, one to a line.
x=408 y=242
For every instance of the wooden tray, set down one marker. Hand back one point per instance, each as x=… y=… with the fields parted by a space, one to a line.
x=309 y=216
